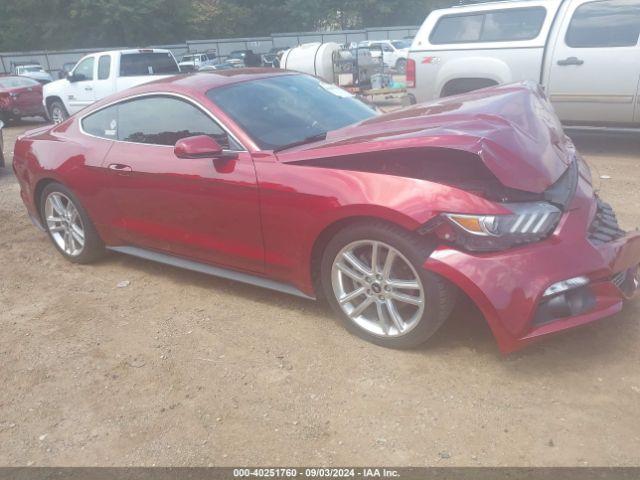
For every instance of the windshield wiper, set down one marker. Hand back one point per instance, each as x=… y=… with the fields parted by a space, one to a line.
x=313 y=138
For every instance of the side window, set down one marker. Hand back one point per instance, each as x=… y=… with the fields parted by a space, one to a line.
x=457 y=29
x=609 y=23
x=104 y=67
x=165 y=120
x=84 y=70
x=514 y=24
x=103 y=123
x=493 y=26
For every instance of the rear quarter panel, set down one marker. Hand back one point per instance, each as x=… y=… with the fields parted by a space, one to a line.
x=51 y=155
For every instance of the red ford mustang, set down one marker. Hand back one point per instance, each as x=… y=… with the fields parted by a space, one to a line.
x=280 y=180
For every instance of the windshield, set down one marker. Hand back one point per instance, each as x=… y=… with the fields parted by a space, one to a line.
x=16 y=82
x=287 y=109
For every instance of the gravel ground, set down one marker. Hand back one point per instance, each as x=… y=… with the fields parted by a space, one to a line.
x=182 y=369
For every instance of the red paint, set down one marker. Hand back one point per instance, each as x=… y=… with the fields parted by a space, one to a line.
x=262 y=213
x=21 y=101
x=201 y=146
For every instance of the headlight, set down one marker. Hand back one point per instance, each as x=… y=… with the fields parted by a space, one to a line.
x=528 y=222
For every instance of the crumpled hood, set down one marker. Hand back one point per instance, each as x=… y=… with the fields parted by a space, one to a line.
x=512 y=129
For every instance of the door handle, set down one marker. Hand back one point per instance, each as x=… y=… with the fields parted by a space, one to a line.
x=88 y=89
x=120 y=168
x=570 y=61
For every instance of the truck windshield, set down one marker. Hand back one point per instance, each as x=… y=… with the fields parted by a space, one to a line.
x=289 y=109
x=147 y=63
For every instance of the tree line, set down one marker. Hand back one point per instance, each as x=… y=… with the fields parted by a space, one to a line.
x=64 y=24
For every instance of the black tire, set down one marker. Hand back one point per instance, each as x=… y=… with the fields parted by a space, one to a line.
x=93 y=247
x=440 y=295
x=57 y=112
x=8 y=119
x=401 y=66
x=465 y=85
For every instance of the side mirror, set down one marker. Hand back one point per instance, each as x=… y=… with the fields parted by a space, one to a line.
x=76 y=77
x=201 y=146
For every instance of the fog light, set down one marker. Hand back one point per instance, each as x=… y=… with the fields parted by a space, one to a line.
x=566 y=285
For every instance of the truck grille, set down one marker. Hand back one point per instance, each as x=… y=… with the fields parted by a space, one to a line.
x=605 y=226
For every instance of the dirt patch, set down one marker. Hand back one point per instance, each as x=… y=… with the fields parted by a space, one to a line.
x=182 y=369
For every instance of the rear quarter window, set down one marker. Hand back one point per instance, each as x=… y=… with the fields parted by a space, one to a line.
x=491 y=26
x=103 y=123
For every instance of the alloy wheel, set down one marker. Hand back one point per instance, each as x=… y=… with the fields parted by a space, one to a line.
x=377 y=288
x=57 y=115
x=64 y=224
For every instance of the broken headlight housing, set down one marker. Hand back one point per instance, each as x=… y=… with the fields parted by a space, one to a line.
x=528 y=222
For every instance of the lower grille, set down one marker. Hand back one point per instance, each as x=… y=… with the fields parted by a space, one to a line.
x=605 y=226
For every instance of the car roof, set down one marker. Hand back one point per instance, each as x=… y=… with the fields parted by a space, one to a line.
x=200 y=82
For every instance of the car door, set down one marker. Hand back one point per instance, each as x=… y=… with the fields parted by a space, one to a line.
x=595 y=64
x=80 y=89
x=103 y=85
x=200 y=208
x=389 y=55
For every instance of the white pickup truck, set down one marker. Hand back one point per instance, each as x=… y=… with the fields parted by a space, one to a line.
x=101 y=74
x=585 y=53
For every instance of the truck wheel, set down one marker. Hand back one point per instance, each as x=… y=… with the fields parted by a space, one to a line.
x=465 y=85
x=57 y=112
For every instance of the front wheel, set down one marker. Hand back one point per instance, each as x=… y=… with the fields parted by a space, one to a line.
x=69 y=226
x=57 y=112
x=372 y=276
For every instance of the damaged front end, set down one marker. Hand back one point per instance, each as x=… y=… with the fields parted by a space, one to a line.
x=550 y=254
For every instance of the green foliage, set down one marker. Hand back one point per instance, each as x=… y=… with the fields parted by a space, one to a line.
x=61 y=24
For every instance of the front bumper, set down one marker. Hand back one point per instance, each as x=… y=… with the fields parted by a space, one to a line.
x=509 y=286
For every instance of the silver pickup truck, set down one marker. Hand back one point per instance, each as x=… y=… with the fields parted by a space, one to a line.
x=585 y=53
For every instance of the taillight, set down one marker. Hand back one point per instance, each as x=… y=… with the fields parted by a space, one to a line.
x=411 y=73
x=5 y=100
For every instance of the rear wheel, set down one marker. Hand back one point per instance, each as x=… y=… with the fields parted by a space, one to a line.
x=69 y=226
x=372 y=276
x=465 y=85
x=5 y=118
x=57 y=112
